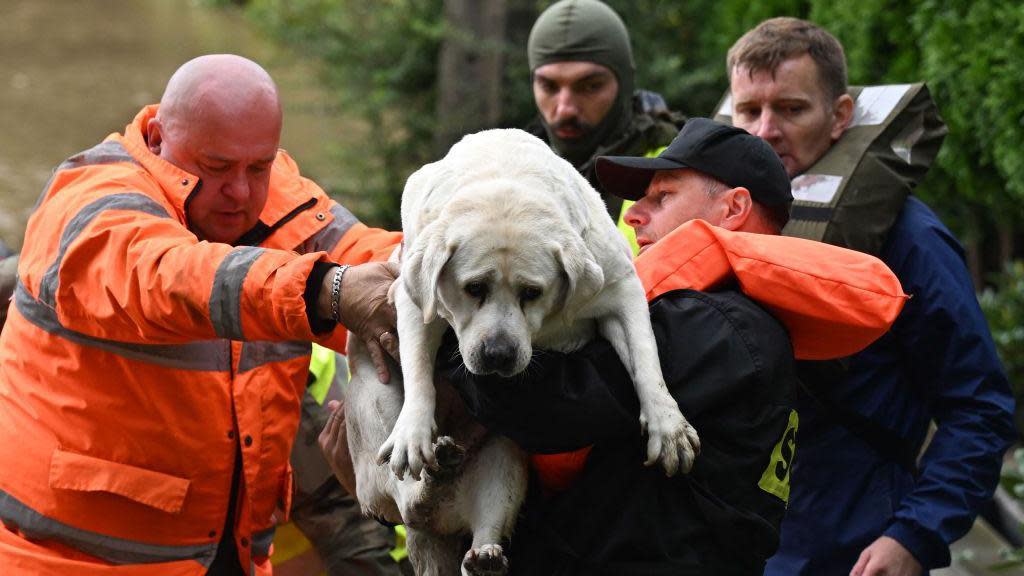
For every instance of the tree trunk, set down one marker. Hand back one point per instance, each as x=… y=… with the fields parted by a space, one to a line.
x=469 y=69
x=972 y=249
x=1006 y=241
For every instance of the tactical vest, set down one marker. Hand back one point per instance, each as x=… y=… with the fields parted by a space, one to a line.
x=852 y=195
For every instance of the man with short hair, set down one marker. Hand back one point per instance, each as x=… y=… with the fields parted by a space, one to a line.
x=157 y=347
x=581 y=68
x=854 y=508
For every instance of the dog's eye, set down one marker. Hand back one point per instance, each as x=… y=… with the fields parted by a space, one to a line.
x=530 y=293
x=476 y=289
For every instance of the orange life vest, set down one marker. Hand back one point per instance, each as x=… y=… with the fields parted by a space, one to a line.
x=834 y=302
x=137 y=360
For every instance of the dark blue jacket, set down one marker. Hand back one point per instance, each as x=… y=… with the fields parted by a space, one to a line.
x=937 y=363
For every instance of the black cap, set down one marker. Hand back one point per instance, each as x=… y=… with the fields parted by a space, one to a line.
x=728 y=154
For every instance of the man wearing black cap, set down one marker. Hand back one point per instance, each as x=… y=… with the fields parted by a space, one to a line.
x=728 y=363
x=582 y=69
x=710 y=171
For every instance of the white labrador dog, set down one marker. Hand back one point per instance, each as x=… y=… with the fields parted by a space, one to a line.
x=509 y=245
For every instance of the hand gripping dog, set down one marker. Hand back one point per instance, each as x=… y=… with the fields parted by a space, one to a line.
x=506 y=243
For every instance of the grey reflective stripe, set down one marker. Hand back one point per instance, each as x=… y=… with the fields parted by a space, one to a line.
x=256 y=354
x=226 y=296
x=261 y=541
x=327 y=238
x=115 y=550
x=109 y=152
x=125 y=201
x=208 y=355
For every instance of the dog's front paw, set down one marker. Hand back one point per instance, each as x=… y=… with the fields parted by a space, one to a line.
x=409 y=448
x=487 y=560
x=671 y=441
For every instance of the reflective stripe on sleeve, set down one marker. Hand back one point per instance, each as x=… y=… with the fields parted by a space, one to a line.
x=207 y=355
x=115 y=550
x=226 y=296
x=125 y=201
x=326 y=239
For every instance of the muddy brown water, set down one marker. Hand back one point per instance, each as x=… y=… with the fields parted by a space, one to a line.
x=73 y=71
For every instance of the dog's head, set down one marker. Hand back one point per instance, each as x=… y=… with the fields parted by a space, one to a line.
x=497 y=264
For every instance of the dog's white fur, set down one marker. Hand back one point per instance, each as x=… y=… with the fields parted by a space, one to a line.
x=509 y=245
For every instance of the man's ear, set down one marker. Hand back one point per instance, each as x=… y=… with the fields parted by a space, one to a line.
x=423 y=264
x=736 y=206
x=842 y=115
x=584 y=277
x=154 y=135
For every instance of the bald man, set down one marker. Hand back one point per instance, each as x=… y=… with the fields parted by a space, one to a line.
x=157 y=347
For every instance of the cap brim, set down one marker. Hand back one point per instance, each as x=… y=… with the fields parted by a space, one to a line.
x=628 y=176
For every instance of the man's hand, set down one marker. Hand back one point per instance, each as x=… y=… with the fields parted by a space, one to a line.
x=334 y=444
x=364 y=309
x=886 y=557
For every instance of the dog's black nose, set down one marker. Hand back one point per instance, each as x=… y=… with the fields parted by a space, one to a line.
x=500 y=354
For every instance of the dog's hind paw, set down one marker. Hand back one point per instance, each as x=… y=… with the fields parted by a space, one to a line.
x=487 y=560
x=449 y=457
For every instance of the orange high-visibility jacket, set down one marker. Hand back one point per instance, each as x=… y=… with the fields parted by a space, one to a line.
x=137 y=360
x=833 y=302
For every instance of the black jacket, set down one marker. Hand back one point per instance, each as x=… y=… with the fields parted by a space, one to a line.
x=729 y=364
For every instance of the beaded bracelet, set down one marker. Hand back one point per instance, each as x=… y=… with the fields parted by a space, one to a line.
x=336 y=292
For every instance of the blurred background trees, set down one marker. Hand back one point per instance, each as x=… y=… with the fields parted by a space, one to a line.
x=419 y=73
x=422 y=72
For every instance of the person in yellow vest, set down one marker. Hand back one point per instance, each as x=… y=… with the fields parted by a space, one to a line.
x=157 y=346
x=581 y=68
x=328 y=530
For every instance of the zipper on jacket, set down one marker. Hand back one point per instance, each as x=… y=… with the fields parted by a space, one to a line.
x=260 y=232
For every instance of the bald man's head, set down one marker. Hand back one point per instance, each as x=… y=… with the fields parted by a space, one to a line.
x=218 y=86
x=220 y=120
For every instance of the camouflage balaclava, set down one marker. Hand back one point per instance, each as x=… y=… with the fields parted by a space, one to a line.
x=585 y=31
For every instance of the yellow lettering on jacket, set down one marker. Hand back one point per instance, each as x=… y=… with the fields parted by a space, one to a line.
x=775 y=479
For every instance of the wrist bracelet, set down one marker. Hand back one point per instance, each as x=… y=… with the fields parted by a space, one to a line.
x=336 y=292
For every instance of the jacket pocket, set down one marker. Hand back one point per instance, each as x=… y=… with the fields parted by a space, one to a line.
x=70 y=471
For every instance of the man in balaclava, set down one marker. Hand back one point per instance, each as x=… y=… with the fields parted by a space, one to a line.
x=581 y=66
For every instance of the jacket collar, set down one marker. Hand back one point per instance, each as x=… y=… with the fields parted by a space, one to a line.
x=177 y=184
x=688 y=257
x=833 y=301
x=286 y=194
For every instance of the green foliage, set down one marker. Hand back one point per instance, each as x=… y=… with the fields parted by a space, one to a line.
x=1003 y=305
x=380 y=60
x=1013 y=482
x=971 y=52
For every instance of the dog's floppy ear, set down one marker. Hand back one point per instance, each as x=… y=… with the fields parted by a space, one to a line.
x=584 y=277
x=422 y=266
